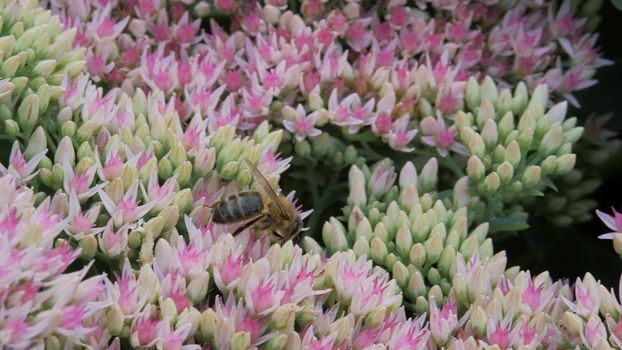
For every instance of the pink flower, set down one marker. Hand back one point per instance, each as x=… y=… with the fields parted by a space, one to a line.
x=303 y=125
x=614 y=223
x=126 y=210
x=440 y=136
x=113 y=243
x=381 y=180
x=400 y=136
x=19 y=168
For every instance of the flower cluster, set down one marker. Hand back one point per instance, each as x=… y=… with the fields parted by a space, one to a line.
x=41 y=300
x=35 y=56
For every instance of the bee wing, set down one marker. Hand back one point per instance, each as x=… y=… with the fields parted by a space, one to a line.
x=265 y=185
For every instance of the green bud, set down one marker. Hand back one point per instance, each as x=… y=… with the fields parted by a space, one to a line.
x=303 y=148
x=488 y=90
x=278 y=342
x=504 y=103
x=469 y=247
x=229 y=171
x=421 y=305
x=416 y=285
x=418 y=255
x=485 y=112
x=548 y=165
x=486 y=249
x=86 y=131
x=333 y=235
x=403 y=241
x=378 y=251
x=513 y=154
x=350 y=155
x=525 y=138
x=429 y=176
x=446 y=261
x=381 y=232
x=283 y=317
x=472 y=94
x=531 y=177
x=475 y=169
x=11 y=128
x=184 y=200
x=434 y=247
x=207 y=324
x=375 y=317
x=506 y=172
x=489 y=134
x=565 y=163
x=88 y=247
x=241 y=341
x=184 y=173
x=400 y=274
x=51 y=342
x=28 y=112
x=170 y=215
x=552 y=140
x=492 y=182
x=36 y=143
x=573 y=323
x=360 y=247
x=479 y=321
x=540 y=96
x=322 y=145
x=573 y=135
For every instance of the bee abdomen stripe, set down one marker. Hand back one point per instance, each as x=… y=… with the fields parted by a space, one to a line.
x=233 y=204
x=223 y=214
x=250 y=203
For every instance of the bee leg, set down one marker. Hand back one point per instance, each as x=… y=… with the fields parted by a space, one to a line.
x=246 y=225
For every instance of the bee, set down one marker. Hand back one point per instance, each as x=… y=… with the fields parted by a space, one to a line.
x=265 y=209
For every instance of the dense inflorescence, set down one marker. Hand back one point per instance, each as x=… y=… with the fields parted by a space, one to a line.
x=127 y=121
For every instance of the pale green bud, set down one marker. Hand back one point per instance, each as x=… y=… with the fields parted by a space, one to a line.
x=506 y=125
x=418 y=255
x=525 y=138
x=400 y=274
x=504 y=103
x=303 y=148
x=434 y=247
x=378 y=251
x=416 y=285
x=485 y=112
x=469 y=247
x=488 y=90
x=51 y=342
x=478 y=321
x=321 y=145
x=446 y=261
x=513 y=154
x=421 y=305
x=436 y=293
x=333 y=234
x=472 y=94
x=184 y=173
x=129 y=175
x=170 y=215
x=57 y=176
x=380 y=231
x=486 y=249
x=429 y=176
x=408 y=175
x=197 y=289
x=350 y=155
x=375 y=317
x=573 y=323
x=36 y=143
x=489 y=134
x=573 y=135
x=551 y=140
x=403 y=241
x=505 y=171
x=178 y=154
x=461 y=192
x=6 y=44
x=272 y=140
x=363 y=229
x=44 y=68
x=548 y=165
x=10 y=66
x=168 y=309
x=283 y=317
x=86 y=131
x=311 y=246
x=565 y=163
x=88 y=247
x=540 y=96
x=241 y=341
x=229 y=171
x=279 y=341
x=463 y=120
x=342 y=328
x=189 y=316
x=476 y=146
x=492 y=182
x=532 y=175
x=481 y=231
x=360 y=248
x=65 y=153
x=28 y=112
x=114 y=320
x=207 y=324
x=184 y=199
x=475 y=168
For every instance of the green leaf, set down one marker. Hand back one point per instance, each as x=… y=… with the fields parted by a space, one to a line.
x=508 y=224
x=617 y=4
x=533 y=192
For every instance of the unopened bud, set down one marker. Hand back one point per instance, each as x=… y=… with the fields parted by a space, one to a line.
x=378 y=251
x=531 y=177
x=241 y=341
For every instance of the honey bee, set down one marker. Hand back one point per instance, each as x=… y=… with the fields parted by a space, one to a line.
x=265 y=209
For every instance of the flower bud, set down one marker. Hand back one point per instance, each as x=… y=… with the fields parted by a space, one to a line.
x=170 y=215
x=333 y=234
x=360 y=247
x=565 y=163
x=485 y=112
x=341 y=328
x=183 y=173
x=551 y=140
x=278 y=342
x=303 y=149
x=197 y=288
x=492 y=182
x=573 y=323
x=513 y=154
x=476 y=146
x=283 y=317
x=531 y=177
x=469 y=247
x=88 y=247
x=311 y=246
x=472 y=94
x=429 y=176
x=189 y=316
x=403 y=241
x=488 y=90
x=114 y=320
x=434 y=247
x=376 y=317
x=573 y=135
x=489 y=134
x=478 y=320
x=168 y=310
x=241 y=341
x=540 y=96
x=28 y=112
x=378 y=251
x=505 y=171
x=400 y=274
x=207 y=324
x=475 y=169
x=37 y=143
x=315 y=100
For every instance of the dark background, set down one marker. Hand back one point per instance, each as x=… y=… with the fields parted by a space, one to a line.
x=571 y=252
